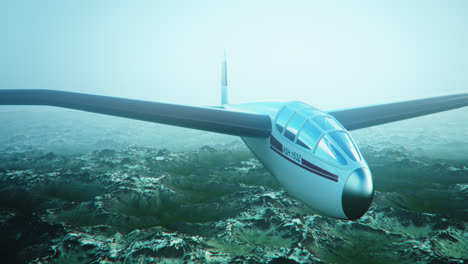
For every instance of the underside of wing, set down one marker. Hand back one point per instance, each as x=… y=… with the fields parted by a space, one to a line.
x=367 y=116
x=202 y=118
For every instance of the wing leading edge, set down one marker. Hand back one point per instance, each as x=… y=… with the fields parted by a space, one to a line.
x=202 y=118
x=367 y=116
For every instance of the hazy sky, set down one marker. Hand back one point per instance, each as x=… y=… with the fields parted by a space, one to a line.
x=330 y=54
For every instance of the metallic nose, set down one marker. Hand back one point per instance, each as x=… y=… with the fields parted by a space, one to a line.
x=358 y=193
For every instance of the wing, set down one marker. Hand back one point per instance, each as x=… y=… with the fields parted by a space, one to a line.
x=203 y=118
x=367 y=116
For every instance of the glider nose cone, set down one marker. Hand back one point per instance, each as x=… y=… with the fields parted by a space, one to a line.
x=358 y=193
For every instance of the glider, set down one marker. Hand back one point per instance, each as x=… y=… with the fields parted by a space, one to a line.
x=309 y=151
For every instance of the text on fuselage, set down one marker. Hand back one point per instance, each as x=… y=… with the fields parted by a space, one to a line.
x=292 y=155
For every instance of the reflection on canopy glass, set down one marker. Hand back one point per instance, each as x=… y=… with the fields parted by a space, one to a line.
x=326 y=150
x=293 y=126
x=283 y=118
x=309 y=136
x=344 y=141
x=327 y=123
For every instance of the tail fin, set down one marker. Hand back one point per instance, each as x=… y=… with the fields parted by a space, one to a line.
x=224 y=90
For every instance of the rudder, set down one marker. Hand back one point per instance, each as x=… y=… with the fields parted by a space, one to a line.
x=224 y=90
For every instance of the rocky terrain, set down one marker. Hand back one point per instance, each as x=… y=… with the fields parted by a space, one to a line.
x=143 y=205
x=118 y=202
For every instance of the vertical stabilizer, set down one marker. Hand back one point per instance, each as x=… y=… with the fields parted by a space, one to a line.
x=224 y=90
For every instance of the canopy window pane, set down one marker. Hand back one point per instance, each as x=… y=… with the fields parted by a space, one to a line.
x=283 y=118
x=310 y=112
x=298 y=105
x=309 y=135
x=293 y=126
x=327 y=123
x=346 y=144
x=326 y=150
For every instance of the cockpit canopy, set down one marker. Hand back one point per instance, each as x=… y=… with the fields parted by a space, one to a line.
x=317 y=132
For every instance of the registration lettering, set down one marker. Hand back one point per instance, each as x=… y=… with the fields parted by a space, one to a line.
x=292 y=155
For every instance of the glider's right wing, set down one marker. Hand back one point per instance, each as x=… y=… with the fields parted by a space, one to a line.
x=367 y=116
x=203 y=118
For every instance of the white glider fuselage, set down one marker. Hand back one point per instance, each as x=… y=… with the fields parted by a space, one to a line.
x=313 y=157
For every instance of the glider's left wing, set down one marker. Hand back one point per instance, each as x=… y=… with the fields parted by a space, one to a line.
x=202 y=118
x=367 y=116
